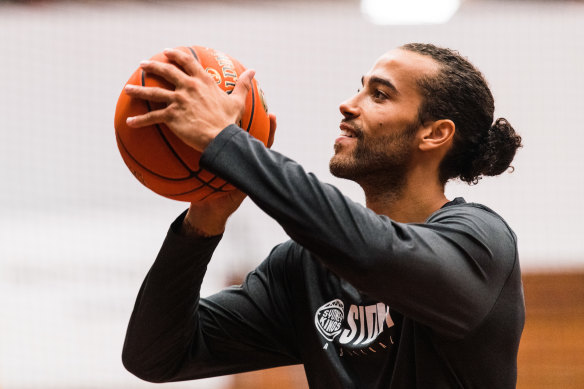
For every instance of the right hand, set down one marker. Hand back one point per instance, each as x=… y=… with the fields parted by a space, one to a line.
x=208 y=217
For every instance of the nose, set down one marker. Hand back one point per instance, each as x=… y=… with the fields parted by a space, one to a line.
x=349 y=107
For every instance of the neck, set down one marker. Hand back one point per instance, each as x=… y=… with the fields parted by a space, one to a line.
x=412 y=202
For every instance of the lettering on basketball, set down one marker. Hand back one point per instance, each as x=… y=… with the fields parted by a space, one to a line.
x=215 y=74
x=329 y=318
x=262 y=97
x=227 y=70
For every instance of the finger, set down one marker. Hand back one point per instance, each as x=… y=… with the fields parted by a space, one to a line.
x=165 y=70
x=148 y=119
x=243 y=85
x=273 y=125
x=189 y=63
x=149 y=93
x=185 y=60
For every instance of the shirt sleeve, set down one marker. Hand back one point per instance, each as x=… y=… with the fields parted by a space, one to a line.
x=446 y=273
x=175 y=335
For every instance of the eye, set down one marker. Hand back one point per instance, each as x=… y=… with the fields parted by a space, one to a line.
x=379 y=95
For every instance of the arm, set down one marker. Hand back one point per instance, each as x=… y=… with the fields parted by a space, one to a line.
x=171 y=335
x=175 y=335
x=446 y=273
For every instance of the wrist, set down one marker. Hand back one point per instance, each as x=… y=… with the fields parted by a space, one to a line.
x=208 y=137
x=203 y=223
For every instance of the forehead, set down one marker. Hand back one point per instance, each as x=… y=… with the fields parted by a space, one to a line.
x=403 y=68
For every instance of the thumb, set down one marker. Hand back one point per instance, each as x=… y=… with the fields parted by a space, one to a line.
x=272 y=129
x=243 y=85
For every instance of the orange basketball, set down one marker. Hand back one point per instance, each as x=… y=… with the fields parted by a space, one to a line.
x=160 y=160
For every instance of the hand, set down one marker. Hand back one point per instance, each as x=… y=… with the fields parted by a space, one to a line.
x=208 y=217
x=197 y=110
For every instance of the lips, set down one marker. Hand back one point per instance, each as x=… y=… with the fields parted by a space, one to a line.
x=347 y=130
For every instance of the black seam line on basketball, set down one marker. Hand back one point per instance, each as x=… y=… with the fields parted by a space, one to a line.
x=197 y=172
x=193 y=190
x=159 y=129
x=150 y=171
x=207 y=195
x=220 y=187
x=192 y=173
x=184 y=193
x=252 y=107
x=208 y=183
x=194 y=54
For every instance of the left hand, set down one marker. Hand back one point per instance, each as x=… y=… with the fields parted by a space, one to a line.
x=197 y=110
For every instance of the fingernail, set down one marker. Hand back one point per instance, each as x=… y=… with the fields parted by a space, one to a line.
x=144 y=63
x=167 y=50
x=130 y=120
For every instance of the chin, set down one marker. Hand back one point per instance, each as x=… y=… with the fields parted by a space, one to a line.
x=340 y=167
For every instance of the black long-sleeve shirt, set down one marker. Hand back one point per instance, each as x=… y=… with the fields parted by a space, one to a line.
x=360 y=300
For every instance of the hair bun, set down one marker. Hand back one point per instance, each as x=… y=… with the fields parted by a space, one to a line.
x=498 y=149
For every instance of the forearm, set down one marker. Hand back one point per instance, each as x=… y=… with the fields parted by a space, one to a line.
x=175 y=335
x=165 y=313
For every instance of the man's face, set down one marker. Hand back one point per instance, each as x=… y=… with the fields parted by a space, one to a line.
x=380 y=122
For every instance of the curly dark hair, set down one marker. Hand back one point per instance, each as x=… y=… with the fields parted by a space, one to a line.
x=459 y=92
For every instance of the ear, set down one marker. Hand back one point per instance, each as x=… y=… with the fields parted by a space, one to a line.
x=437 y=136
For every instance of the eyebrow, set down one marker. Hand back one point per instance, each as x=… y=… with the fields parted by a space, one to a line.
x=382 y=81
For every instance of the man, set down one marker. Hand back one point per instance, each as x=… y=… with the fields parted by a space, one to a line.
x=411 y=291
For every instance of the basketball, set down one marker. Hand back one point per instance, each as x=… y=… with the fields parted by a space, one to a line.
x=157 y=157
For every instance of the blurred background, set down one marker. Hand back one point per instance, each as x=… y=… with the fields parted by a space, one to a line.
x=78 y=232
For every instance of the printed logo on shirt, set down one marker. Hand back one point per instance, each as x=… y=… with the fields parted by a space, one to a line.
x=329 y=318
x=360 y=333
x=366 y=323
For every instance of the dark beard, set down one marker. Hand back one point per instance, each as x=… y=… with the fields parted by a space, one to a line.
x=377 y=165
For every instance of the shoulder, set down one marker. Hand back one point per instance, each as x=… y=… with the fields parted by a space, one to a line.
x=288 y=251
x=292 y=261
x=476 y=220
x=473 y=214
x=284 y=258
